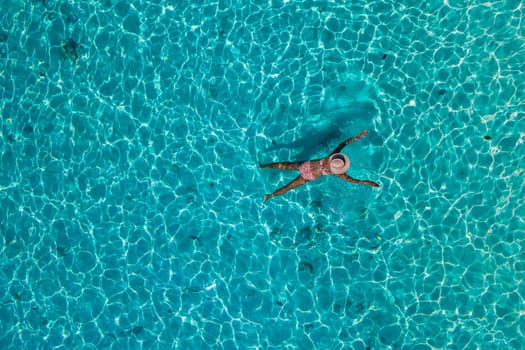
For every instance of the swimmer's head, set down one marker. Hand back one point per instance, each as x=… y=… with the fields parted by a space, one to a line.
x=339 y=163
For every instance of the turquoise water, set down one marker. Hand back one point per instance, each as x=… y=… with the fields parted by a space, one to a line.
x=131 y=199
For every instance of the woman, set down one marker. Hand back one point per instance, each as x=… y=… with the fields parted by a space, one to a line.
x=335 y=164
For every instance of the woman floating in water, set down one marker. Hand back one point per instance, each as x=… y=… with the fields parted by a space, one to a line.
x=335 y=164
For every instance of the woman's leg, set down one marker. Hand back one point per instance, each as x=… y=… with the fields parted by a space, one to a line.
x=282 y=165
x=295 y=183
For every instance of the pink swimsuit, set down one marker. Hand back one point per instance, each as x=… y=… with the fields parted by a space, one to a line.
x=306 y=170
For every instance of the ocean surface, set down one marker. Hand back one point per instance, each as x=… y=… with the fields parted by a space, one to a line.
x=131 y=213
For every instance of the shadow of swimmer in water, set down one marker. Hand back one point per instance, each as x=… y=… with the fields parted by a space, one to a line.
x=335 y=164
x=70 y=48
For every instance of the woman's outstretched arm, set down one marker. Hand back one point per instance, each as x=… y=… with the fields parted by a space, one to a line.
x=352 y=139
x=295 y=183
x=355 y=181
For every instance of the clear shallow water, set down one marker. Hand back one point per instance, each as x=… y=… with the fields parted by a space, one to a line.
x=131 y=201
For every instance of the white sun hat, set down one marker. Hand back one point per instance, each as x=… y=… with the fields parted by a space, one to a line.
x=339 y=163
